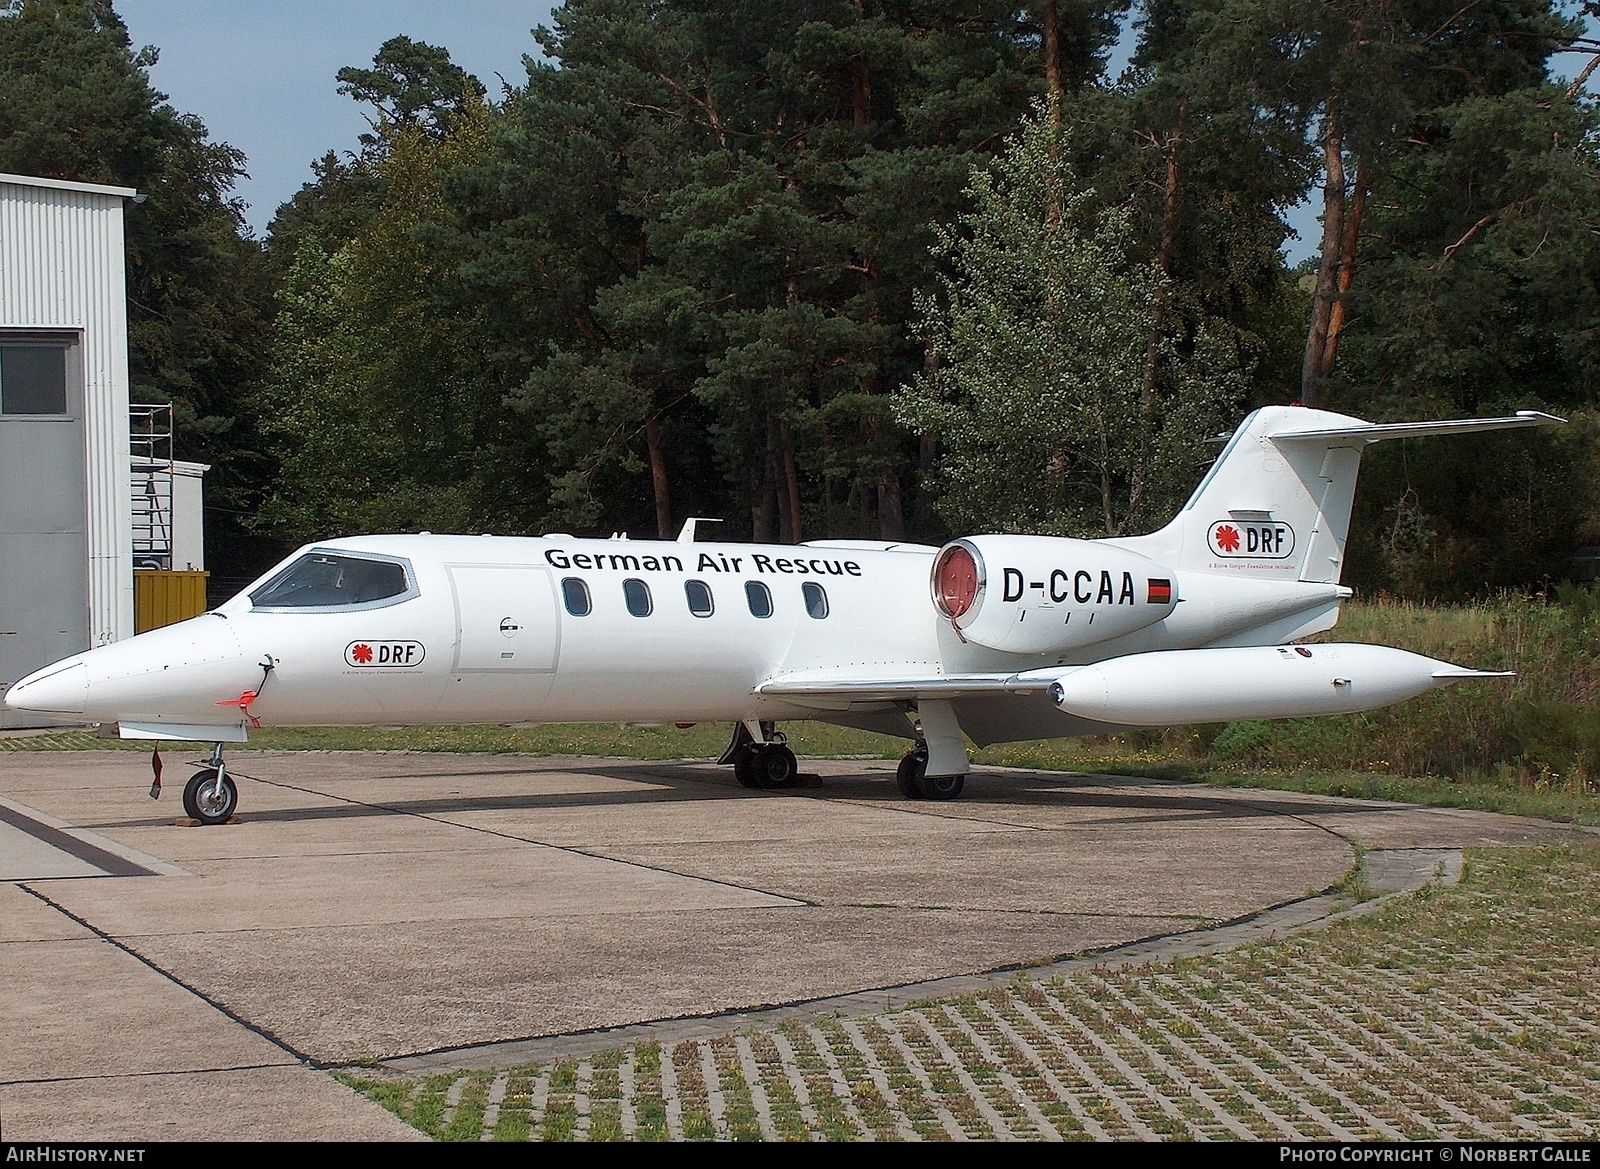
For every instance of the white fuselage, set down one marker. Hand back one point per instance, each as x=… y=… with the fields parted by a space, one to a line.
x=486 y=635
x=530 y=630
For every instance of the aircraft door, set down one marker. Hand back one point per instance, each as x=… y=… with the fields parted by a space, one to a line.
x=506 y=619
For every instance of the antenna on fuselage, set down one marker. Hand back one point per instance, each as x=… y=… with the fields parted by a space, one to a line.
x=686 y=535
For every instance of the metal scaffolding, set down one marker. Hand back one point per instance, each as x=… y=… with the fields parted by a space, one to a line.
x=150 y=444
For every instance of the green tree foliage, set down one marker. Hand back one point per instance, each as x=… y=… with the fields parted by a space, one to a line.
x=343 y=197
x=681 y=270
x=1470 y=517
x=1038 y=385
x=76 y=103
x=1478 y=290
x=1457 y=268
x=1483 y=283
x=1212 y=158
x=414 y=85
x=378 y=410
x=1336 y=93
x=719 y=215
x=413 y=88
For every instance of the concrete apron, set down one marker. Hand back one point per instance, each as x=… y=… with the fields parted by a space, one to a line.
x=427 y=912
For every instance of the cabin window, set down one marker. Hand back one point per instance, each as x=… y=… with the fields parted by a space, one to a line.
x=816 y=599
x=637 y=594
x=321 y=580
x=759 y=597
x=576 y=596
x=699 y=594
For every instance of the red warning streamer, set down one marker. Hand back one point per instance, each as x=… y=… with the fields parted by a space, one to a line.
x=243 y=703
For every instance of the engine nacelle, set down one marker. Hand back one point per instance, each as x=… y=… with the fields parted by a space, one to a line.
x=1045 y=594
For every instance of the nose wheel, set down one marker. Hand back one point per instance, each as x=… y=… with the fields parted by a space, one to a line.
x=210 y=796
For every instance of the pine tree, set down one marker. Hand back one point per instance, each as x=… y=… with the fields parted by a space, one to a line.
x=1038 y=385
x=777 y=171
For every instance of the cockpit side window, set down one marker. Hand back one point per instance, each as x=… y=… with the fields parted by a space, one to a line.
x=330 y=580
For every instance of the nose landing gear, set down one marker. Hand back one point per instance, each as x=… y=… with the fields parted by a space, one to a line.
x=210 y=796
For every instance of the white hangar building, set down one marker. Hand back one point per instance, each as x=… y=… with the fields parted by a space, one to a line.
x=67 y=470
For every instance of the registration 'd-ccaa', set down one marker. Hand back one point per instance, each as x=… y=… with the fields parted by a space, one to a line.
x=992 y=638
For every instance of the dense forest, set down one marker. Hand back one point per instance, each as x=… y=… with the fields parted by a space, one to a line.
x=873 y=268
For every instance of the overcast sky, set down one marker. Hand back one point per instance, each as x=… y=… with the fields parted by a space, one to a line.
x=260 y=73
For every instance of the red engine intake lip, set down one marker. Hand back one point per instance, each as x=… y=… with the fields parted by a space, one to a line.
x=958 y=580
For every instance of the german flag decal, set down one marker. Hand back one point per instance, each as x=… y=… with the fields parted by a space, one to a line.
x=1160 y=592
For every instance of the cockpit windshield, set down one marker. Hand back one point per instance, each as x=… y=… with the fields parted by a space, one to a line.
x=322 y=580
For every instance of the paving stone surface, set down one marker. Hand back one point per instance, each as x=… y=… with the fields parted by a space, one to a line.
x=576 y=948
x=1424 y=1024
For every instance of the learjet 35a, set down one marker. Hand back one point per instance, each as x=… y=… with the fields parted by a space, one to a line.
x=993 y=637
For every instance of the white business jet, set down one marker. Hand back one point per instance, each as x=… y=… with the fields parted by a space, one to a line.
x=994 y=637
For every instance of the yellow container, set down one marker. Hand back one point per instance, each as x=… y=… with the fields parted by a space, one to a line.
x=165 y=598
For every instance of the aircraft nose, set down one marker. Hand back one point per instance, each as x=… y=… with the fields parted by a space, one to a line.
x=57 y=689
x=173 y=674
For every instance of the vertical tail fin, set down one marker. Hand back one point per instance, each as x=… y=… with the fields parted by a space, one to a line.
x=1276 y=503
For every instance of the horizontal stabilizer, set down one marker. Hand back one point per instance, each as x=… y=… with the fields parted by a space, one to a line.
x=1245 y=500
x=1461 y=674
x=1373 y=431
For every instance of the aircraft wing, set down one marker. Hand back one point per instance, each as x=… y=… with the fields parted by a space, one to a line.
x=829 y=688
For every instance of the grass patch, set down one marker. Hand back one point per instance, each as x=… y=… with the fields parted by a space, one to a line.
x=1510 y=797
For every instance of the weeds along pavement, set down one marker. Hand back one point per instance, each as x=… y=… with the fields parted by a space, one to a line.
x=1463 y=1012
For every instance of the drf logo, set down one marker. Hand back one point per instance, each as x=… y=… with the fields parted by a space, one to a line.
x=383 y=653
x=1258 y=541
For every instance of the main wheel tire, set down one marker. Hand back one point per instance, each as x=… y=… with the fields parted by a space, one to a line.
x=779 y=766
x=204 y=803
x=942 y=787
x=908 y=776
x=766 y=765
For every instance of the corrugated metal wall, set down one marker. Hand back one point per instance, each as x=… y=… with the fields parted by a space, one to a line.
x=62 y=266
x=165 y=598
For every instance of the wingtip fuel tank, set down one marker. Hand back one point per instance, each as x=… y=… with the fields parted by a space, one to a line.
x=1176 y=687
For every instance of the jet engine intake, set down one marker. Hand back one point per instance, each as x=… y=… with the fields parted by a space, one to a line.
x=1045 y=594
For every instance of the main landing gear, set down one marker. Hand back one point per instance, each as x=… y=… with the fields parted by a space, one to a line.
x=914 y=782
x=210 y=796
x=940 y=749
x=767 y=763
